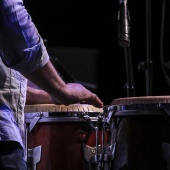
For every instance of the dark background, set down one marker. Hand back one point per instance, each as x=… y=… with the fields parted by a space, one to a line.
x=83 y=35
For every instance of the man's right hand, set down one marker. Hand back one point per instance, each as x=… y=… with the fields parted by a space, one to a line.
x=76 y=93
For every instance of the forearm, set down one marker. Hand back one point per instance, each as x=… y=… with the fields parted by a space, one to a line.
x=48 y=79
x=37 y=96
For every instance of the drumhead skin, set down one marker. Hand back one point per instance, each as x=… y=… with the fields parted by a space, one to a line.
x=141 y=100
x=61 y=108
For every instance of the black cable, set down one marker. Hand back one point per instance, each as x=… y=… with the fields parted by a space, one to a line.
x=162 y=42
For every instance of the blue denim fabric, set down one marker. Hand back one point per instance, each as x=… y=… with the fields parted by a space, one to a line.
x=21 y=46
x=11 y=157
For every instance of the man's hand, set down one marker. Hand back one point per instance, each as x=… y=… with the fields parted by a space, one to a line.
x=76 y=93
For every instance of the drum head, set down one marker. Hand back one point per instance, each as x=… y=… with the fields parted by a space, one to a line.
x=61 y=108
x=147 y=105
x=141 y=100
x=52 y=112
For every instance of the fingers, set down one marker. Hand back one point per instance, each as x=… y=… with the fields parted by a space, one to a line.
x=75 y=93
x=99 y=103
x=93 y=100
x=96 y=101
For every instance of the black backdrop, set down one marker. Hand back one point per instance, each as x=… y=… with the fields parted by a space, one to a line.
x=92 y=24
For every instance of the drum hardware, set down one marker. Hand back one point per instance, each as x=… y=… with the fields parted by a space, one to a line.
x=95 y=160
x=101 y=160
x=108 y=156
x=142 y=110
x=87 y=118
x=91 y=154
x=109 y=148
x=34 y=122
x=90 y=121
x=100 y=157
x=109 y=111
x=34 y=154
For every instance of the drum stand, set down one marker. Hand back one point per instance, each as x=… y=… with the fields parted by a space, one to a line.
x=102 y=155
x=33 y=155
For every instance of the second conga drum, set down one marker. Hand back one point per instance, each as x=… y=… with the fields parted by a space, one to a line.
x=142 y=133
x=62 y=132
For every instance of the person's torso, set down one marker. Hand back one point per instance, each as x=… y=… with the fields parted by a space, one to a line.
x=12 y=95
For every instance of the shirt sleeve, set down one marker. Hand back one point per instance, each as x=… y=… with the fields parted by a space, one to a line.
x=21 y=46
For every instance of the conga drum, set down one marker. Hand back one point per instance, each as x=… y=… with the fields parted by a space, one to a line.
x=142 y=138
x=62 y=137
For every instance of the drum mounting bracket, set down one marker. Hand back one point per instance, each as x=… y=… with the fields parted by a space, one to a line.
x=34 y=156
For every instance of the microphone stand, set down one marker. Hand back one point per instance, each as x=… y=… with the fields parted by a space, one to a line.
x=124 y=41
x=148 y=69
x=147 y=65
x=130 y=87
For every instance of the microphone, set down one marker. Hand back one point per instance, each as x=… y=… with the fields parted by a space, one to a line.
x=124 y=28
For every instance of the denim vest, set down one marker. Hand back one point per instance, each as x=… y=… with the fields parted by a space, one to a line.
x=12 y=95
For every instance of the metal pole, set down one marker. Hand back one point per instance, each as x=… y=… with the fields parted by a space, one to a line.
x=149 y=68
